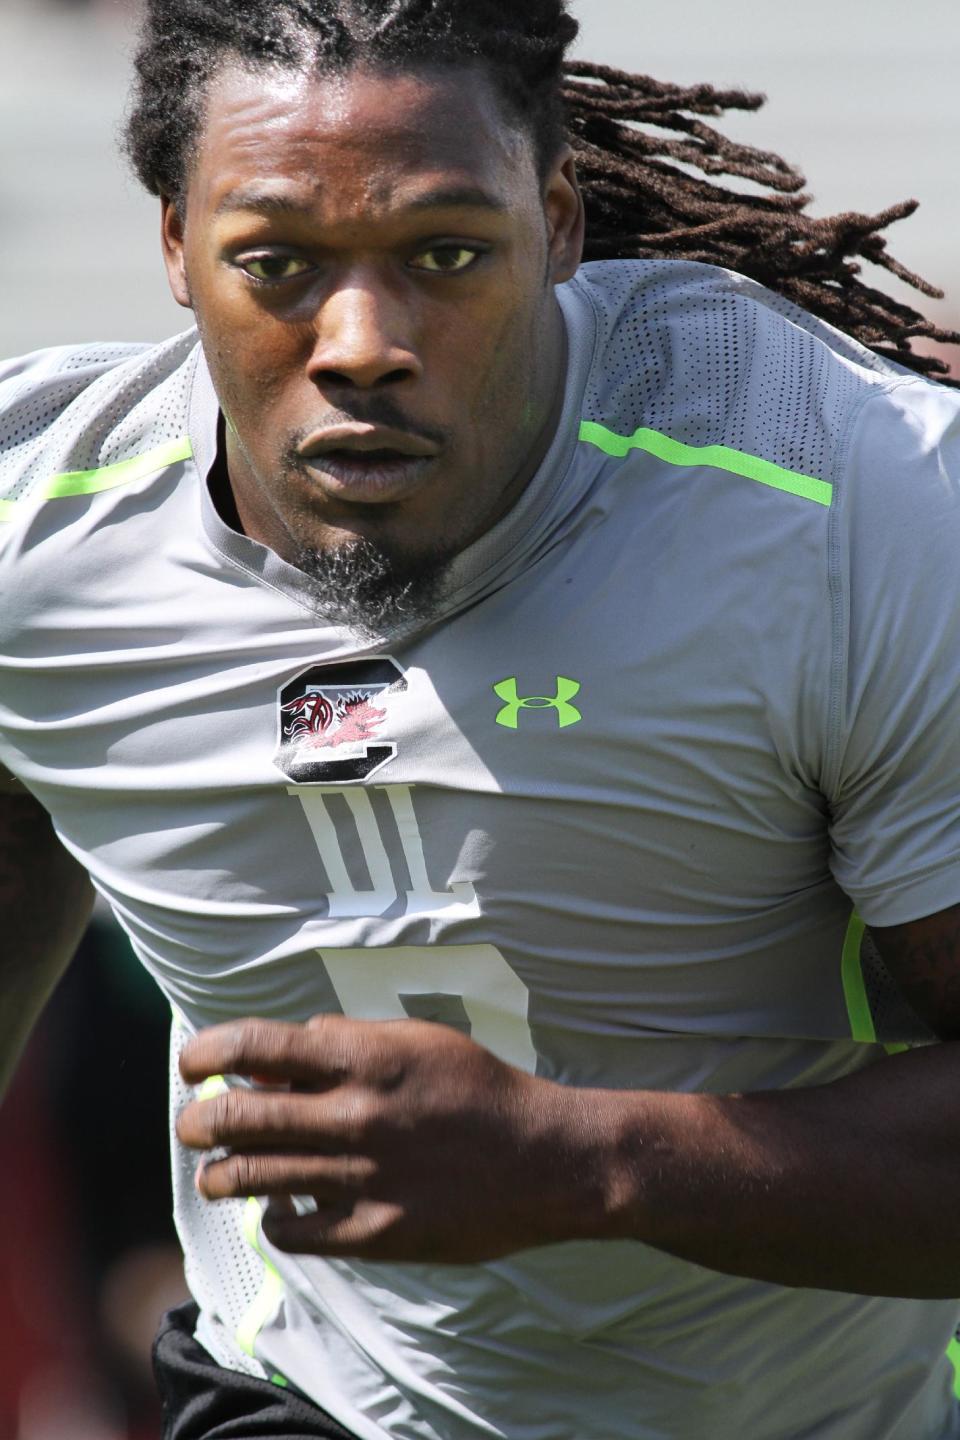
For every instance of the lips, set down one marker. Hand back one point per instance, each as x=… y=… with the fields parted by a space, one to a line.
x=360 y=439
x=367 y=464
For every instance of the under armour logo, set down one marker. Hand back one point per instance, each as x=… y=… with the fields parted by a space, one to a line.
x=567 y=714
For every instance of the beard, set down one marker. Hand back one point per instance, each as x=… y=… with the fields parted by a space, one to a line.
x=370 y=589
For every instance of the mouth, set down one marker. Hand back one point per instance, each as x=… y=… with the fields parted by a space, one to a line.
x=368 y=477
x=365 y=464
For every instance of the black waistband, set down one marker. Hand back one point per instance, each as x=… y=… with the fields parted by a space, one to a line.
x=203 y=1401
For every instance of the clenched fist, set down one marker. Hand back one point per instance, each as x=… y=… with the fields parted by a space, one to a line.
x=415 y=1143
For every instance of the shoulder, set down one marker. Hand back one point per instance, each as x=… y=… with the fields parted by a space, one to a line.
x=705 y=357
x=80 y=410
x=905 y=451
x=897 y=508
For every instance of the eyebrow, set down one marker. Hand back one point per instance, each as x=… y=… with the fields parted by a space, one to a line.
x=464 y=197
x=272 y=202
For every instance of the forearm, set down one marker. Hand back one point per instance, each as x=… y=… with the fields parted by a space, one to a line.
x=45 y=903
x=848 y=1186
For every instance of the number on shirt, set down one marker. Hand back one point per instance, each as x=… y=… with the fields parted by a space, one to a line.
x=468 y=986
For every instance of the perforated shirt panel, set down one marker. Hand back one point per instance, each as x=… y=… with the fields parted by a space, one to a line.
x=84 y=408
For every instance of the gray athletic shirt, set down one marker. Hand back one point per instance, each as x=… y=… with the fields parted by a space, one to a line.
x=686 y=705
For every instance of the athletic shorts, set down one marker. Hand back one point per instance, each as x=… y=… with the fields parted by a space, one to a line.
x=203 y=1401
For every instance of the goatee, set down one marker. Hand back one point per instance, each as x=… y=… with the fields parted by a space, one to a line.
x=371 y=590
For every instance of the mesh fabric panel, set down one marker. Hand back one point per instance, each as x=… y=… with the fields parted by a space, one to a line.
x=694 y=361
x=86 y=408
x=224 y=1272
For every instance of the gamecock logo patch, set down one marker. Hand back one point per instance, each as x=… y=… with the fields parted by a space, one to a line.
x=332 y=719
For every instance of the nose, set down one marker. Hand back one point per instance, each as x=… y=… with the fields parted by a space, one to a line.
x=362 y=339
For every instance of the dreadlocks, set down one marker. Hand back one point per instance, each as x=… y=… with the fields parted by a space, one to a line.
x=640 y=205
x=642 y=201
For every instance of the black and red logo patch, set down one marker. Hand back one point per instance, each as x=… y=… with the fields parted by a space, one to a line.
x=332 y=718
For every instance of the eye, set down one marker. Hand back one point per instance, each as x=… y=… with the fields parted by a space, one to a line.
x=446 y=259
x=272 y=269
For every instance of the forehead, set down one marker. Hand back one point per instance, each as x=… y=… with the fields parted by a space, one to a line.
x=278 y=130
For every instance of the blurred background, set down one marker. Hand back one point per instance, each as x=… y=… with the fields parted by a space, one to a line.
x=862 y=95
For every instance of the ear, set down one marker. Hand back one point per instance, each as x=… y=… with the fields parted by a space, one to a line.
x=171 y=232
x=566 y=222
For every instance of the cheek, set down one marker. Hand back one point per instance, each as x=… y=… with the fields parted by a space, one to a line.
x=251 y=360
x=503 y=373
x=250 y=344
x=490 y=343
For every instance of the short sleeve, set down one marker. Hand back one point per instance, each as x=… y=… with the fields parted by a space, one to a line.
x=894 y=782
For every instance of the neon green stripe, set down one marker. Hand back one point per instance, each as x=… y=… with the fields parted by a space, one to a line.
x=854 y=990
x=271 y=1291
x=953 y=1355
x=264 y=1305
x=213 y=1086
x=717 y=457
x=90 y=482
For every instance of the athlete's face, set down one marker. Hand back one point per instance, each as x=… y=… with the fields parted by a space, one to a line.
x=372 y=261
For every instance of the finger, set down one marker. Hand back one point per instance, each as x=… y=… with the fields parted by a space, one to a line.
x=271 y=1049
x=335 y=1121
x=329 y=1179
x=355 y=1226
x=240 y=1117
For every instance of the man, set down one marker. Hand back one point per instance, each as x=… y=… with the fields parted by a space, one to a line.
x=459 y=636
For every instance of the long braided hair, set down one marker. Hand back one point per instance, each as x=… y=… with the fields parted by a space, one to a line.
x=648 y=192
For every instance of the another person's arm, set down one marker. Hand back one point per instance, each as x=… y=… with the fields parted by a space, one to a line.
x=45 y=903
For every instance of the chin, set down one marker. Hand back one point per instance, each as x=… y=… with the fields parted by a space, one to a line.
x=372 y=586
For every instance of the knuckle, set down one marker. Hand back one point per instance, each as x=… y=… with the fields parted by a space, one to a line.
x=331 y=1040
x=229 y=1111
x=247 y=1174
x=232 y=1047
x=246 y=1038
x=356 y=1116
x=370 y=1228
x=361 y=1173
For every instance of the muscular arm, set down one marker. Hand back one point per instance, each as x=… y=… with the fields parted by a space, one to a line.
x=847 y=1186
x=417 y=1144
x=45 y=902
